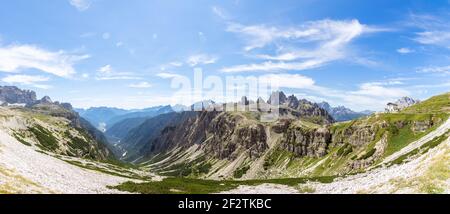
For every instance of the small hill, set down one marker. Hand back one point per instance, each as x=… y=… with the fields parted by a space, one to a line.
x=436 y=104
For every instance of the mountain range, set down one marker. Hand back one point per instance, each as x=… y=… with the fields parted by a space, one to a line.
x=105 y=117
x=341 y=113
x=283 y=140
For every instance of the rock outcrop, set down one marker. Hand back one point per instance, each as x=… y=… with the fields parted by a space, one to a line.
x=13 y=95
x=219 y=134
x=306 y=142
x=277 y=98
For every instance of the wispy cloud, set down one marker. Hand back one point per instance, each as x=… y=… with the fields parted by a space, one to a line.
x=140 y=85
x=442 y=70
x=296 y=81
x=274 y=66
x=404 y=50
x=81 y=5
x=15 y=58
x=220 y=12
x=434 y=30
x=107 y=72
x=310 y=45
x=31 y=80
x=201 y=59
x=370 y=95
x=378 y=89
x=166 y=75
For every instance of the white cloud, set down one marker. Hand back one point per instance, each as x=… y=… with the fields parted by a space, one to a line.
x=201 y=59
x=371 y=95
x=106 y=35
x=105 y=69
x=15 y=58
x=440 y=38
x=219 y=12
x=140 y=85
x=107 y=72
x=378 y=90
x=444 y=70
x=165 y=75
x=404 y=50
x=317 y=43
x=176 y=64
x=81 y=5
x=117 y=77
x=119 y=44
x=27 y=80
x=274 y=66
x=296 y=81
x=434 y=30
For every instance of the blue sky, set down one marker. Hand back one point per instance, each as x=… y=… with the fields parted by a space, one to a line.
x=360 y=54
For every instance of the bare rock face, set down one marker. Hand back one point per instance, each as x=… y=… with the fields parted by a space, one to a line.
x=12 y=94
x=244 y=100
x=277 y=98
x=281 y=126
x=219 y=135
x=355 y=135
x=362 y=136
x=303 y=142
x=421 y=126
x=292 y=102
x=253 y=139
x=369 y=157
x=46 y=100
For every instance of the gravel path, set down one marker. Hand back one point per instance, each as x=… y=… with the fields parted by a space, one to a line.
x=21 y=166
x=393 y=179
x=262 y=189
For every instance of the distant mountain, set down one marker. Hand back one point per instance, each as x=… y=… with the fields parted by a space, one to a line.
x=400 y=104
x=14 y=95
x=105 y=117
x=141 y=136
x=98 y=116
x=198 y=106
x=179 y=108
x=341 y=113
x=120 y=129
x=144 y=113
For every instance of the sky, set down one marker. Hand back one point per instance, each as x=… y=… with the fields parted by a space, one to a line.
x=360 y=54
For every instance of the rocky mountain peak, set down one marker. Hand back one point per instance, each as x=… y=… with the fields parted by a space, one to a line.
x=292 y=102
x=277 y=98
x=406 y=101
x=325 y=106
x=46 y=100
x=260 y=100
x=244 y=100
x=12 y=94
x=342 y=113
